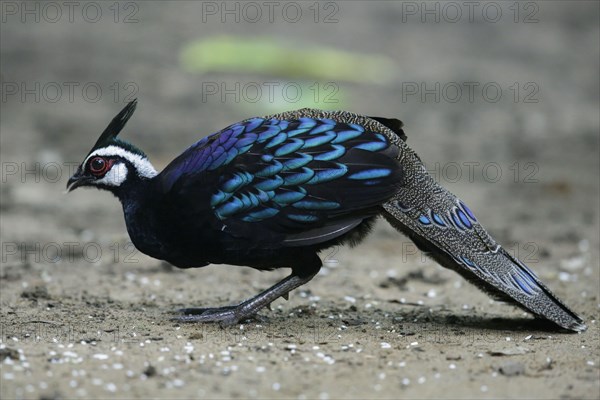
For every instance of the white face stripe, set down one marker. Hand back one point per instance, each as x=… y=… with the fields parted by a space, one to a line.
x=115 y=176
x=142 y=166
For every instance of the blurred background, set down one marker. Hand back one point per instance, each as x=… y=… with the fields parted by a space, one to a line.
x=500 y=100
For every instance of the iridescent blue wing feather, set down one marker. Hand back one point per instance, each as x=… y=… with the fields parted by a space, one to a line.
x=308 y=176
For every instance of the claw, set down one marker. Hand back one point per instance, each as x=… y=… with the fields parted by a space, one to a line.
x=224 y=315
x=231 y=315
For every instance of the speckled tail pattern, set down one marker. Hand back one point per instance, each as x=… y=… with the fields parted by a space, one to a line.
x=444 y=227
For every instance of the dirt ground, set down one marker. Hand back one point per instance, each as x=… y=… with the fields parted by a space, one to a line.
x=85 y=315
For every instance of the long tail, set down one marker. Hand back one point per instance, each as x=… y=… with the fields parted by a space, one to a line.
x=443 y=226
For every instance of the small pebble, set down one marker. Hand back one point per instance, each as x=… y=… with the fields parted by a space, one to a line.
x=512 y=369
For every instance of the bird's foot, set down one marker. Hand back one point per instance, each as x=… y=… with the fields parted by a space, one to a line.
x=232 y=315
x=225 y=316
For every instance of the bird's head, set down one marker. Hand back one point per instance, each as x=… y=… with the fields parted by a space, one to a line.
x=113 y=164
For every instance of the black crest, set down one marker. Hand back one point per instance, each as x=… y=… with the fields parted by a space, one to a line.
x=116 y=125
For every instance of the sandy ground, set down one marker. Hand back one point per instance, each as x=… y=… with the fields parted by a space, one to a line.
x=85 y=315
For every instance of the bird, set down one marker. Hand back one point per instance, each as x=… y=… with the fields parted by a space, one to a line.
x=272 y=192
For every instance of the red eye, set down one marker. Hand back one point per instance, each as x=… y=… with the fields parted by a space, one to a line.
x=98 y=166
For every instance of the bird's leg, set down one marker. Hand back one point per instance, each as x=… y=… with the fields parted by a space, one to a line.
x=233 y=314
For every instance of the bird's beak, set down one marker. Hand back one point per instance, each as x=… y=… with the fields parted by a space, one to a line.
x=78 y=179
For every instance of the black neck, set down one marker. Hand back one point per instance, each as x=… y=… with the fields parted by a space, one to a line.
x=135 y=191
x=140 y=200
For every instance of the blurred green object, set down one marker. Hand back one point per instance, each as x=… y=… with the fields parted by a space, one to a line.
x=275 y=58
